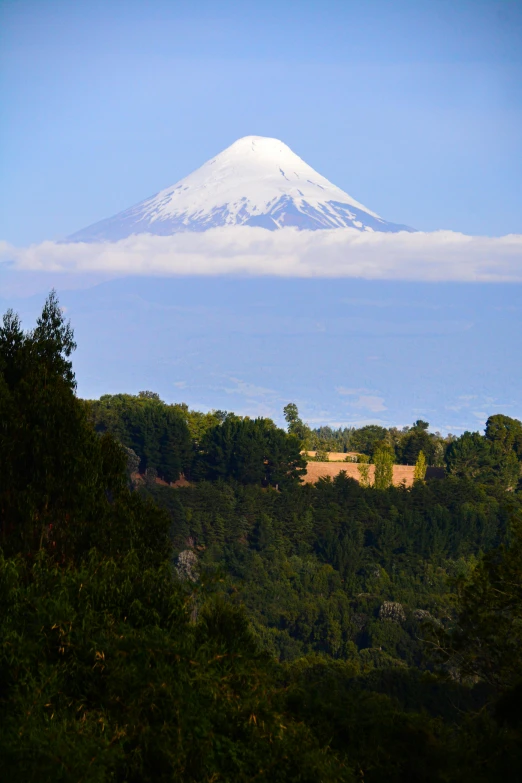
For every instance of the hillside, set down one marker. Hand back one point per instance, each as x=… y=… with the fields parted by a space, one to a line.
x=249 y=625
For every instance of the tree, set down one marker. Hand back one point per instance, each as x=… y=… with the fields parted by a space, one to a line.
x=291 y=414
x=475 y=457
x=487 y=640
x=149 y=395
x=251 y=452
x=55 y=470
x=119 y=683
x=420 y=467
x=364 y=470
x=366 y=439
x=383 y=459
x=198 y=422
x=295 y=425
x=321 y=456
x=156 y=432
x=414 y=441
x=53 y=341
x=467 y=455
x=506 y=433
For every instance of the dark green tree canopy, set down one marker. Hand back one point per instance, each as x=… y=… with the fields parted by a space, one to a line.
x=55 y=470
x=251 y=451
x=156 y=432
x=487 y=640
x=106 y=671
x=475 y=457
x=413 y=442
x=506 y=433
x=367 y=439
x=295 y=424
x=293 y=648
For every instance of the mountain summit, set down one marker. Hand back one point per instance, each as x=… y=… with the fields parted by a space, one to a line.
x=257 y=181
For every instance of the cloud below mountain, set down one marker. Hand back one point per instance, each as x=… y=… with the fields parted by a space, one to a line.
x=238 y=250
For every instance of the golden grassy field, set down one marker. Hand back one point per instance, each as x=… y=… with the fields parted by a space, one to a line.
x=402 y=474
x=337 y=456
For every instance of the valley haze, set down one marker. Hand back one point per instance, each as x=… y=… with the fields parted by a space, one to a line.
x=254 y=281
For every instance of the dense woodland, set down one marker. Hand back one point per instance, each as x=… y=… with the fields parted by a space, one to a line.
x=246 y=626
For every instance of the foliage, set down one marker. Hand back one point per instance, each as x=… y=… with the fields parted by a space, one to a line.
x=314 y=564
x=505 y=432
x=296 y=426
x=199 y=423
x=406 y=443
x=367 y=439
x=56 y=473
x=420 y=467
x=247 y=626
x=156 y=432
x=364 y=470
x=250 y=452
x=103 y=676
x=487 y=639
x=383 y=459
x=482 y=459
x=386 y=741
x=414 y=441
x=105 y=672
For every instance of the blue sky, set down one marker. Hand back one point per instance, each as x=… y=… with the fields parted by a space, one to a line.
x=414 y=108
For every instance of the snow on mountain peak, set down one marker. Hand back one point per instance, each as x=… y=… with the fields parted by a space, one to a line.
x=257 y=181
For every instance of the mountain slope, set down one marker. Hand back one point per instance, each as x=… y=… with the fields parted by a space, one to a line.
x=257 y=181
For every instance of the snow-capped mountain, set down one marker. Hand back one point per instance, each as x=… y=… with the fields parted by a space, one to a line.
x=257 y=181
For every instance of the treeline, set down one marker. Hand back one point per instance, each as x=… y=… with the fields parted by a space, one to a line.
x=406 y=442
x=170 y=440
x=494 y=456
x=235 y=631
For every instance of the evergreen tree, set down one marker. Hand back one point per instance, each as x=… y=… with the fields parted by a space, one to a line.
x=55 y=470
x=476 y=457
x=156 y=432
x=417 y=439
x=251 y=452
x=116 y=664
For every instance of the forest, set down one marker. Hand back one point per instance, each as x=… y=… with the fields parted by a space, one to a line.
x=177 y=604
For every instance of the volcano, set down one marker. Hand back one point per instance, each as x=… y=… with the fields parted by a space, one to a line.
x=257 y=181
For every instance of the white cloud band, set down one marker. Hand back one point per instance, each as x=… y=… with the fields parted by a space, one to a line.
x=435 y=256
